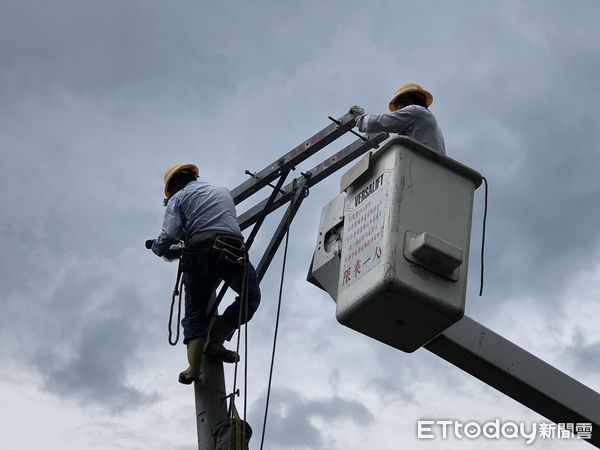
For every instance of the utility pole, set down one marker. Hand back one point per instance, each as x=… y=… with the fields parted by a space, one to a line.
x=210 y=400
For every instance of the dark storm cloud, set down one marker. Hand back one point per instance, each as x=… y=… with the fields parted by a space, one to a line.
x=194 y=52
x=83 y=333
x=530 y=129
x=291 y=417
x=103 y=353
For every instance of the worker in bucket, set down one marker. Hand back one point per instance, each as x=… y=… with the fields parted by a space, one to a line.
x=409 y=116
x=203 y=216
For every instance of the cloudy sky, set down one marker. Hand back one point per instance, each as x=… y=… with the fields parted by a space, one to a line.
x=98 y=98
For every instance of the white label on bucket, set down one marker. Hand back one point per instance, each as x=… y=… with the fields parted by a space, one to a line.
x=363 y=230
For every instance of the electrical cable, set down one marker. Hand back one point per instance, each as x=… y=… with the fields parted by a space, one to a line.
x=243 y=308
x=240 y=317
x=485 y=209
x=245 y=305
x=287 y=235
x=176 y=293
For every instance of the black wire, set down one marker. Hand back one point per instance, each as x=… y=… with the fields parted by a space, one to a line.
x=237 y=348
x=176 y=292
x=245 y=304
x=287 y=235
x=243 y=301
x=485 y=209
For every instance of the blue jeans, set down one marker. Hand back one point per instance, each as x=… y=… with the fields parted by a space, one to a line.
x=199 y=288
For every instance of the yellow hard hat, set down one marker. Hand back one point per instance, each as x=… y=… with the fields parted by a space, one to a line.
x=405 y=88
x=174 y=169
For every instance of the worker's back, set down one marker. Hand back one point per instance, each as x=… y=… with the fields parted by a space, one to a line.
x=422 y=126
x=207 y=208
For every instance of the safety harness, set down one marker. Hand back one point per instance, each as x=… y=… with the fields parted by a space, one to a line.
x=220 y=253
x=205 y=252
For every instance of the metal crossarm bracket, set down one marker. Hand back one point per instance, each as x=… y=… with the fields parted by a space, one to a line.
x=253 y=175
x=362 y=138
x=276 y=191
x=294 y=157
x=319 y=173
x=299 y=195
x=279 y=196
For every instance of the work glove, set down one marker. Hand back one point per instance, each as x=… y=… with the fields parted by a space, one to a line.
x=173 y=253
x=149 y=243
x=357 y=110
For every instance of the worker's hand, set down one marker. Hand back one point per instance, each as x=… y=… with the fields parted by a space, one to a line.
x=149 y=243
x=357 y=110
x=173 y=253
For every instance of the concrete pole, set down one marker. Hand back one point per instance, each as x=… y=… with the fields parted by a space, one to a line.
x=211 y=406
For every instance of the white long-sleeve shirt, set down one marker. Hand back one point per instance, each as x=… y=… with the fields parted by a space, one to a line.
x=413 y=121
x=198 y=207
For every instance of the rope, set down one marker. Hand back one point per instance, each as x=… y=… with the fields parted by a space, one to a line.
x=243 y=295
x=243 y=309
x=245 y=304
x=176 y=293
x=287 y=235
x=485 y=209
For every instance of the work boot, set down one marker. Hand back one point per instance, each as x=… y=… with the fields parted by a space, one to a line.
x=194 y=356
x=218 y=332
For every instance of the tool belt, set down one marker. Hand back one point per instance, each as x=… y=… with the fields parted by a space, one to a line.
x=213 y=252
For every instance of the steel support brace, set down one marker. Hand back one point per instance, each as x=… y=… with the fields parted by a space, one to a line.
x=268 y=205
x=215 y=301
x=319 y=173
x=284 y=224
x=293 y=157
x=517 y=373
x=281 y=169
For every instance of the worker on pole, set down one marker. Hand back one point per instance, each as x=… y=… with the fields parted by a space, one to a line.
x=203 y=216
x=409 y=116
